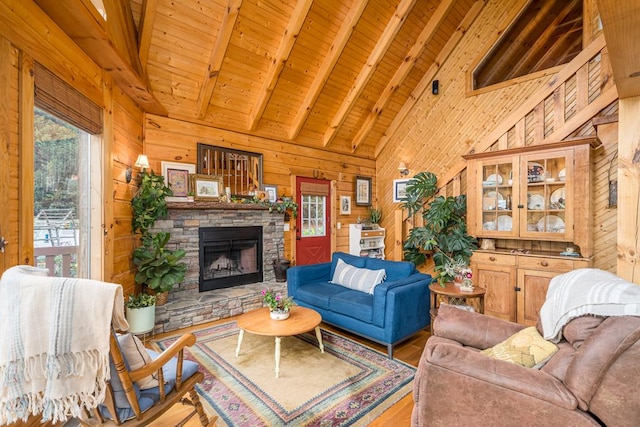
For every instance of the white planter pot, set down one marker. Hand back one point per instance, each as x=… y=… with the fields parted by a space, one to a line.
x=141 y=320
x=279 y=315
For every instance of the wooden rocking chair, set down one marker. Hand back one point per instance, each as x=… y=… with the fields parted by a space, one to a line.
x=126 y=405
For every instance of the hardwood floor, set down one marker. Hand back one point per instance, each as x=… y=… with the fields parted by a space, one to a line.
x=398 y=415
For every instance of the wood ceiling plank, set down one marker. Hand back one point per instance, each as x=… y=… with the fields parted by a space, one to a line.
x=383 y=43
x=298 y=16
x=86 y=27
x=621 y=26
x=453 y=41
x=217 y=55
x=145 y=31
x=403 y=71
x=327 y=65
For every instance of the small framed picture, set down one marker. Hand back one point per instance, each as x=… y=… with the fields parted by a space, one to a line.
x=400 y=190
x=176 y=176
x=345 y=205
x=272 y=192
x=363 y=191
x=206 y=187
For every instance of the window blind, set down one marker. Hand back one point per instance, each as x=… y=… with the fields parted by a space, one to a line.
x=314 y=189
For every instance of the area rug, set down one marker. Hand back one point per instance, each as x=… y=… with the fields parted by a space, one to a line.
x=347 y=385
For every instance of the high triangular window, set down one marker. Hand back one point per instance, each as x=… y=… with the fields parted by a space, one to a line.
x=545 y=34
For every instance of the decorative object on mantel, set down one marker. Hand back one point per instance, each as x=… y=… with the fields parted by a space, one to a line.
x=444 y=233
x=279 y=306
x=281 y=205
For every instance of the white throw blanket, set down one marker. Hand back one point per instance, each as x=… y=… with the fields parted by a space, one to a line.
x=54 y=347
x=586 y=291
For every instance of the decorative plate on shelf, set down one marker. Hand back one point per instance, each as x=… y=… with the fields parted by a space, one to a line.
x=536 y=202
x=535 y=172
x=558 y=197
x=561 y=175
x=494 y=195
x=505 y=223
x=494 y=179
x=551 y=224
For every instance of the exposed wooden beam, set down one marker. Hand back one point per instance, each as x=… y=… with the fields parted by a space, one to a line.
x=298 y=16
x=7 y=62
x=403 y=71
x=217 y=55
x=621 y=27
x=145 y=30
x=425 y=82
x=86 y=27
x=383 y=44
x=122 y=31
x=329 y=61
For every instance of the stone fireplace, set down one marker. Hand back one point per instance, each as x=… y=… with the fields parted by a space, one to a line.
x=188 y=305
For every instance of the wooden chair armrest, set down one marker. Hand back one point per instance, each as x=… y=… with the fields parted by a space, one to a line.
x=186 y=340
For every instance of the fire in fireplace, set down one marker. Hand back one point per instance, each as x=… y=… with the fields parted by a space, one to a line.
x=229 y=256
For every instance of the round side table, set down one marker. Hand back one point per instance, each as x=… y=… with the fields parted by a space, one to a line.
x=451 y=294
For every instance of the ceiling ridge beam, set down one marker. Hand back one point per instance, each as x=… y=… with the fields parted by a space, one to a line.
x=145 y=31
x=366 y=72
x=289 y=38
x=328 y=63
x=216 y=58
x=425 y=82
x=121 y=30
x=403 y=71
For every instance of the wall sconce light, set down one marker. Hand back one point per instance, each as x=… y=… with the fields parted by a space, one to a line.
x=128 y=174
x=142 y=162
x=402 y=168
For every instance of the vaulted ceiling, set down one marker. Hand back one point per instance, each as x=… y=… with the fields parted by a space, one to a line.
x=338 y=74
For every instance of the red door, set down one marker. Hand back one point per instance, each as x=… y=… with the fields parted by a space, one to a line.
x=313 y=227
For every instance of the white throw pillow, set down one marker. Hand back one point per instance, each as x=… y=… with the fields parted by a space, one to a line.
x=133 y=350
x=359 y=279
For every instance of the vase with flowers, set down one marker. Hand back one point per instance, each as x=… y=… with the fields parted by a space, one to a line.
x=279 y=306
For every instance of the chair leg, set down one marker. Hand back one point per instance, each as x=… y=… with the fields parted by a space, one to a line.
x=195 y=401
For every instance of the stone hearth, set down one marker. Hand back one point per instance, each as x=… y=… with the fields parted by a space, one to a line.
x=187 y=306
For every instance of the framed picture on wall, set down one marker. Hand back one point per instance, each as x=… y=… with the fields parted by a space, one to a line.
x=176 y=176
x=206 y=187
x=272 y=192
x=363 y=191
x=345 y=205
x=400 y=190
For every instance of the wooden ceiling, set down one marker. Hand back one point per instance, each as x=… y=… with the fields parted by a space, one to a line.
x=333 y=74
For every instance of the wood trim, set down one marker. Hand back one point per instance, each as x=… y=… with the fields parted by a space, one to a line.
x=217 y=56
x=26 y=149
x=122 y=31
x=571 y=142
x=399 y=237
x=102 y=240
x=403 y=71
x=279 y=60
x=425 y=82
x=516 y=81
x=5 y=154
x=366 y=72
x=329 y=61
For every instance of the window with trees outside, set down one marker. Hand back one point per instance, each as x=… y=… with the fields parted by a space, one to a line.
x=312 y=214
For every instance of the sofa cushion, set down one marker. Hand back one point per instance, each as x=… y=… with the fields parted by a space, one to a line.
x=356 y=261
x=358 y=305
x=359 y=279
x=318 y=294
x=395 y=269
x=526 y=348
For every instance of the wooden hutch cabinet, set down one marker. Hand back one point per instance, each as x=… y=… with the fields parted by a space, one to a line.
x=534 y=202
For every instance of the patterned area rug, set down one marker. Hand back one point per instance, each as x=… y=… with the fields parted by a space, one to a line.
x=347 y=385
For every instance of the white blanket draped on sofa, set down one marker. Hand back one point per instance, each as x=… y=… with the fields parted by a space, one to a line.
x=586 y=291
x=54 y=347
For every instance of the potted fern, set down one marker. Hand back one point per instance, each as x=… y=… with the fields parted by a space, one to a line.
x=444 y=234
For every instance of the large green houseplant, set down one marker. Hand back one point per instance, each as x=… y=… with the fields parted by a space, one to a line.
x=159 y=268
x=444 y=234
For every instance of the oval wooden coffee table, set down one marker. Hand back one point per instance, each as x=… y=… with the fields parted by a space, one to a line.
x=300 y=320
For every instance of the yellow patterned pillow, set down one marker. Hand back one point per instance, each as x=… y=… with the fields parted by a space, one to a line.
x=526 y=348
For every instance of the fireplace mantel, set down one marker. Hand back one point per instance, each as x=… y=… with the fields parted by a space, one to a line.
x=199 y=205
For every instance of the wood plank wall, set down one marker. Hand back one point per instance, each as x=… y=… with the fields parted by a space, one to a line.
x=443 y=127
x=173 y=140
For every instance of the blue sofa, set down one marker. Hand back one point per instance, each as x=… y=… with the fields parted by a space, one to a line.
x=398 y=307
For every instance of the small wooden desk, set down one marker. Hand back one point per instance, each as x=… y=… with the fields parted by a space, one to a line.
x=451 y=294
x=300 y=320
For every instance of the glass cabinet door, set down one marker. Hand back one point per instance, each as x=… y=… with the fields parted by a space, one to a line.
x=544 y=203
x=498 y=198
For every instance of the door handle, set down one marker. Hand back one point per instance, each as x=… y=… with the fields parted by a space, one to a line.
x=3 y=243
